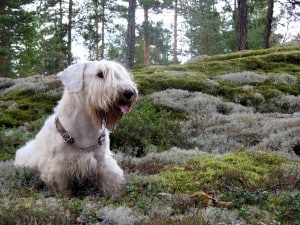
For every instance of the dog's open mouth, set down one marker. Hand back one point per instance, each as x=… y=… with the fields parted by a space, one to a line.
x=125 y=108
x=126 y=101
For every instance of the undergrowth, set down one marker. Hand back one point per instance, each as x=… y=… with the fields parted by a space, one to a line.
x=240 y=181
x=149 y=127
x=240 y=187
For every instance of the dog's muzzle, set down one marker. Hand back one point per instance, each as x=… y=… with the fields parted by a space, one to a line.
x=127 y=100
x=128 y=94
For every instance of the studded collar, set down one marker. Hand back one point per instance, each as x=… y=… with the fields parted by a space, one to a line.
x=68 y=139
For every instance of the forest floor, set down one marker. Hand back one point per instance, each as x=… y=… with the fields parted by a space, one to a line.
x=214 y=141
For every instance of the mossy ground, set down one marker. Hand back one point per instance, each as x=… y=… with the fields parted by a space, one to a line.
x=247 y=183
x=283 y=60
x=239 y=187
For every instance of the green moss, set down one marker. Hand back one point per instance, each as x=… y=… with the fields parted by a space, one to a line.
x=33 y=210
x=249 y=171
x=29 y=106
x=268 y=92
x=192 y=76
x=161 y=81
x=260 y=52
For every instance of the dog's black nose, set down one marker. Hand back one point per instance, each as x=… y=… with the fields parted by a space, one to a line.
x=128 y=93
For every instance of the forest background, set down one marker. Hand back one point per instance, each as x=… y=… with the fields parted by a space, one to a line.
x=45 y=36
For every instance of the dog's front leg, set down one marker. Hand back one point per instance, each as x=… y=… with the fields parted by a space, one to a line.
x=58 y=180
x=110 y=177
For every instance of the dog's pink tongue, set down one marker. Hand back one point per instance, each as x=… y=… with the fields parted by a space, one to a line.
x=124 y=108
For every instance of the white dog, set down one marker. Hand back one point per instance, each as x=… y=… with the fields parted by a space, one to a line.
x=73 y=144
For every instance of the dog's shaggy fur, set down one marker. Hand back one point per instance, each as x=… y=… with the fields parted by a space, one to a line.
x=97 y=94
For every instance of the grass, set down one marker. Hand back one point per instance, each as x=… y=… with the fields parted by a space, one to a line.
x=170 y=146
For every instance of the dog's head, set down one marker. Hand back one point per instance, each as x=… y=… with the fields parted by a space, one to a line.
x=105 y=87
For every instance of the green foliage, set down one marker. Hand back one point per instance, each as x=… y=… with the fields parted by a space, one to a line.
x=30 y=106
x=44 y=211
x=17 y=39
x=148 y=4
x=148 y=125
x=158 y=39
x=288 y=209
x=206 y=26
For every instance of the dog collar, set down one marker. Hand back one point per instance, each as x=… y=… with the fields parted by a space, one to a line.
x=71 y=141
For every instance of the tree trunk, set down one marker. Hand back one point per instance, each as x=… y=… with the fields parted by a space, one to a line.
x=103 y=2
x=268 y=25
x=3 y=65
x=129 y=60
x=146 y=38
x=97 y=30
x=61 y=35
x=242 y=29
x=175 y=60
x=70 y=16
x=4 y=47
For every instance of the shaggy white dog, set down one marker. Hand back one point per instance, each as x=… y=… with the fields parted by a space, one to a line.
x=73 y=144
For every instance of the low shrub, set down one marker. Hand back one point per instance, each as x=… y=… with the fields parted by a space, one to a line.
x=288 y=209
x=148 y=125
x=10 y=141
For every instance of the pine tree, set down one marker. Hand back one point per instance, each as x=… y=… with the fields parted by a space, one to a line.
x=242 y=27
x=268 y=24
x=175 y=59
x=17 y=39
x=98 y=28
x=130 y=33
x=147 y=5
x=204 y=26
x=54 y=46
x=69 y=31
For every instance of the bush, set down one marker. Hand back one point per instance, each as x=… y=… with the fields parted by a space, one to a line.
x=288 y=211
x=148 y=125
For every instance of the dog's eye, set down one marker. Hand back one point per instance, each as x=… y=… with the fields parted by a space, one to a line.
x=100 y=75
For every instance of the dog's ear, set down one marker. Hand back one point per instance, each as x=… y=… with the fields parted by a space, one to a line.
x=72 y=77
